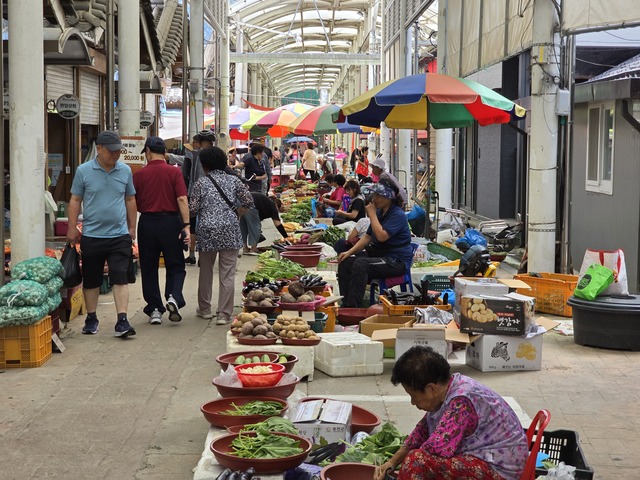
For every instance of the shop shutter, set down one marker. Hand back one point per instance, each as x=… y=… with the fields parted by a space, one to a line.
x=59 y=81
x=89 y=98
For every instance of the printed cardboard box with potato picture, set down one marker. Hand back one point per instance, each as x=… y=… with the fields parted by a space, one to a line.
x=500 y=353
x=323 y=420
x=508 y=314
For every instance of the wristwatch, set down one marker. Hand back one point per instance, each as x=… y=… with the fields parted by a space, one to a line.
x=185 y=224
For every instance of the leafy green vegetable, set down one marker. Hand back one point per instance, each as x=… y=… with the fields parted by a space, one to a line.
x=298 y=212
x=332 y=234
x=257 y=407
x=272 y=424
x=374 y=449
x=265 y=445
x=430 y=263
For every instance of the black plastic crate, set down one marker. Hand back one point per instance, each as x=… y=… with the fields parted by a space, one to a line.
x=438 y=283
x=564 y=446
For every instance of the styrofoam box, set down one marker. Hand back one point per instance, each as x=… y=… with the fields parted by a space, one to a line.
x=500 y=353
x=348 y=354
x=302 y=368
x=424 y=335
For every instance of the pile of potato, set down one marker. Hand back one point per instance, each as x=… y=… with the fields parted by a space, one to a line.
x=296 y=294
x=250 y=325
x=294 y=328
x=260 y=297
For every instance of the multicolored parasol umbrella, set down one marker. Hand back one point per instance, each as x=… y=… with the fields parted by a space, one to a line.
x=274 y=123
x=417 y=101
x=319 y=121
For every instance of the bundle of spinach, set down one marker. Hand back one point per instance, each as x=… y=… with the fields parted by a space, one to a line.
x=374 y=449
x=265 y=445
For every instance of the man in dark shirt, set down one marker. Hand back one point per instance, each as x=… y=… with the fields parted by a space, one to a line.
x=251 y=222
x=161 y=197
x=254 y=167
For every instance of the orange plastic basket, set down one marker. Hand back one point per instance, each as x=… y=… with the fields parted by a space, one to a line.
x=551 y=291
x=389 y=308
x=26 y=345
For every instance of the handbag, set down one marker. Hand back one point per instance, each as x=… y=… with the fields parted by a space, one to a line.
x=613 y=260
x=71 y=273
x=239 y=211
x=595 y=280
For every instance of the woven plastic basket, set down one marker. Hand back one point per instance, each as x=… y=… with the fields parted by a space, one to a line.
x=446 y=252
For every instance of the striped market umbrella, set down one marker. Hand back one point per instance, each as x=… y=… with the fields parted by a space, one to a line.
x=417 y=101
x=319 y=121
x=274 y=123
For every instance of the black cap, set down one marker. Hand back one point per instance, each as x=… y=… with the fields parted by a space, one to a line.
x=110 y=140
x=155 y=144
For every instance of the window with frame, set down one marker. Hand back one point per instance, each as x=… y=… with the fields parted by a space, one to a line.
x=600 y=144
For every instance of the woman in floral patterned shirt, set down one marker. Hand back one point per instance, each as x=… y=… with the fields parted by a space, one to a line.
x=217 y=230
x=468 y=432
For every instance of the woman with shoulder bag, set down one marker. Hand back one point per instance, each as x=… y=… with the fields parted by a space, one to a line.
x=218 y=200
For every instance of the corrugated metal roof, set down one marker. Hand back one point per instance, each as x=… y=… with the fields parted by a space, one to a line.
x=627 y=69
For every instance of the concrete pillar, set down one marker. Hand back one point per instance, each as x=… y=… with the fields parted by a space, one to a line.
x=129 y=68
x=404 y=136
x=543 y=160
x=26 y=129
x=237 y=96
x=258 y=88
x=224 y=140
x=253 y=83
x=196 y=67
x=444 y=159
x=265 y=91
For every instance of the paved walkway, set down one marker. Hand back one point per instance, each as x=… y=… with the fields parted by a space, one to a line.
x=113 y=409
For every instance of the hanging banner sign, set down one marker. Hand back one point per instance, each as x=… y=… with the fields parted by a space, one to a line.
x=146 y=119
x=131 y=148
x=68 y=106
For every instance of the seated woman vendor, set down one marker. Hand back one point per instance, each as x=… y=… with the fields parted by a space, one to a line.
x=468 y=431
x=387 y=242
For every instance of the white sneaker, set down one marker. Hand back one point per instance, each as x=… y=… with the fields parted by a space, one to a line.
x=202 y=314
x=155 y=318
x=223 y=320
x=174 y=311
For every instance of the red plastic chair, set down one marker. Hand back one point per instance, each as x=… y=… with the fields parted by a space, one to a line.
x=538 y=424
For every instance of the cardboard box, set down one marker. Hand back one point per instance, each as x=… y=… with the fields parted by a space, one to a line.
x=323 y=419
x=499 y=353
x=485 y=286
x=384 y=322
x=438 y=337
x=508 y=314
x=325 y=221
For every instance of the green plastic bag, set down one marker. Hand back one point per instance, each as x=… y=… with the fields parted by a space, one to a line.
x=594 y=281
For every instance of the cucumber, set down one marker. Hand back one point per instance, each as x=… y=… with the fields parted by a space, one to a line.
x=255 y=359
x=247 y=361
x=239 y=360
x=265 y=358
x=282 y=359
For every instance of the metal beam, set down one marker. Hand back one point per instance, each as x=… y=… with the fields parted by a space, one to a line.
x=305 y=59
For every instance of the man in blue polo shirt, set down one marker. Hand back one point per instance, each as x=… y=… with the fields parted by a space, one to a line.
x=104 y=188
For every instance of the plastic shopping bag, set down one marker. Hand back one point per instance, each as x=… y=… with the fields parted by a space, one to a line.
x=613 y=260
x=594 y=281
x=71 y=274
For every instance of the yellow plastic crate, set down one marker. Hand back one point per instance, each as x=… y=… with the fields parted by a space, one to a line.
x=26 y=345
x=551 y=291
x=389 y=308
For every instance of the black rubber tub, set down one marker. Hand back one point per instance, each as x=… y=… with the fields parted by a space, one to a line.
x=607 y=322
